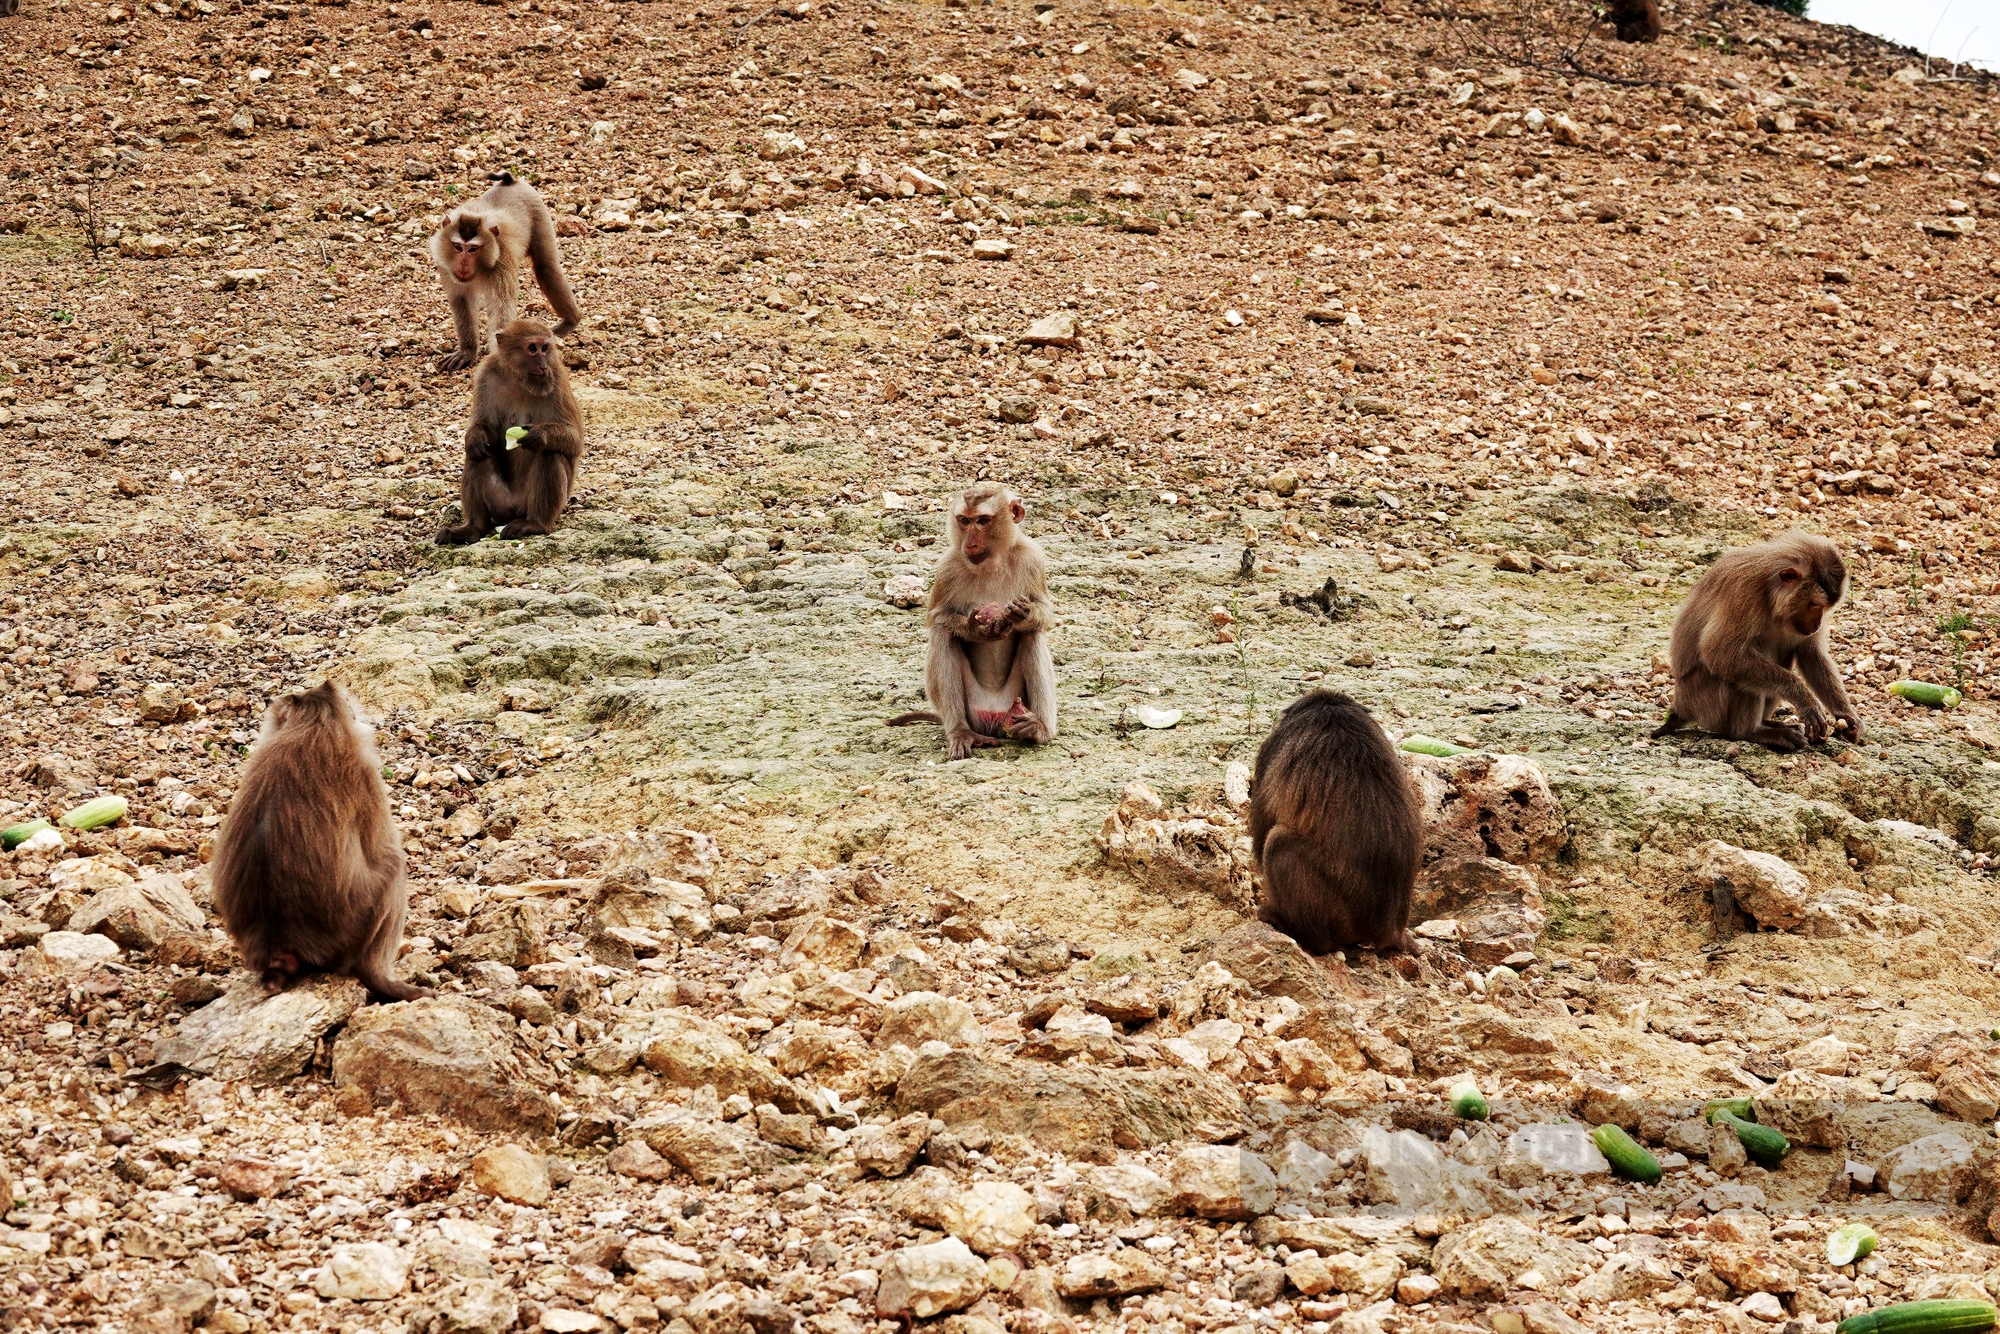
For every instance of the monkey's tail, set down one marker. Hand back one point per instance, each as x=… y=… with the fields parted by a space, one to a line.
x=920 y=716
x=501 y=177
x=1673 y=724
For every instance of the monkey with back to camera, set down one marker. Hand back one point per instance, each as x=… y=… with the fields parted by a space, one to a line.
x=1335 y=827
x=521 y=485
x=478 y=250
x=1752 y=635
x=1635 y=20
x=308 y=867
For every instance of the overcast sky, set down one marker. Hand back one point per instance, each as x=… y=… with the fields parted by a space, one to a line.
x=1967 y=30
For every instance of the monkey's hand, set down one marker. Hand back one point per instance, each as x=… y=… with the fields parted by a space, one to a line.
x=989 y=621
x=459 y=360
x=1814 y=720
x=1023 y=725
x=1850 y=725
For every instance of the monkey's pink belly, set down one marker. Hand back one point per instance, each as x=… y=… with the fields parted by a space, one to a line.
x=989 y=722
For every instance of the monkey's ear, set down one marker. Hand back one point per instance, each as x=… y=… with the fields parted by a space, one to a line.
x=1788 y=575
x=1018 y=510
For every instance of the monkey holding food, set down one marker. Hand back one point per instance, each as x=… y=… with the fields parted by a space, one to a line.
x=988 y=670
x=1335 y=828
x=524 y=440
x=308 y=867
x=478 y=250
x=1752 y=635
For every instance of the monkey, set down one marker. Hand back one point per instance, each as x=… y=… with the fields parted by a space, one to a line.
x=522 y=484
x=1335 y=827
x=1636 y=20
x=988 y=670
x=9 y=8
x=478 y=250
x=1752 y=634
x=308 y=868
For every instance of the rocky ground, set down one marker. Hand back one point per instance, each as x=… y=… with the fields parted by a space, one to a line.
x=1419 y=352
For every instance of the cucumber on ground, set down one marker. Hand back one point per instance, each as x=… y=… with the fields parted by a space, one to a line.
x=1419 y=744
x=1847 y=1244
x=1764 y=1145
x=1467 y=1101
x=1950 y=1315
x=1926 y=694
x=13 y=836
x=1626 y=1155
x=94 y=814
x=1740 y=1108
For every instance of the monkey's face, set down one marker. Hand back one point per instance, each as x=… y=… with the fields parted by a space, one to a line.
x=534 y=358
x=1803 y=600
x=980 y=532
x=472 y=247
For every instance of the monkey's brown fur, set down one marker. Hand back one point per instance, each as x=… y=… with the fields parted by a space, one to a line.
x=523 y=383
x=988 y=670
x=478 y=250
x=1636 y=20
x=1335 y=827
x=1752 y=634
x=308 y=868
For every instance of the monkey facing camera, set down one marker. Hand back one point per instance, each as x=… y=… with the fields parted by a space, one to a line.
x=308 y=867
x=524 y=441
x=478 y=250
x=1753 y=635
x=988 y=670
x=1335 y=828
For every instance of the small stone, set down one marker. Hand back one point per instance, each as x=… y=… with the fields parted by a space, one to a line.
x=925 y=1016
x=923 y=1281
x=1543 y=1150
x=1937 y=1169
x=1412 y=1289
x=1627 y=1278
x=1548 y=1318
x=1057 y=329
x=247 y=1179
x=1752 y=1268
x=1764 y=1306
x=1117 y=1274
x=905 y=590
x=1371 y=1276
x=1218 y=1181
x=71 y=951
x=1768 y=889
x=366 y=1271
x=1258 y=1284
x=512 y=1173
x=1726 y=1154
x=992 y=1216
x=992 y=247
x=888 y=1150
x=1303 y=1168
x=636 y=1159
x=1019 y=409
x=160 y=703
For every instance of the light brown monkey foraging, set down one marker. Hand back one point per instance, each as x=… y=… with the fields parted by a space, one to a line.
x=1752 y=634
x=308 y=868
x=988 y=670
x=522 y=486
x=478 y=250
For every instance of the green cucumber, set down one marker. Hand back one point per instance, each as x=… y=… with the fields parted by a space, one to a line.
x=13 y=836
x=514 y=434
x=1467 y=1101
x=1926 y=694
x=1419 y=744
x=1949 y=1315
x=1626 y=1154
x=1740 y=1108
x=1764 y=1145
x=1850 y=1243
x=94 y=814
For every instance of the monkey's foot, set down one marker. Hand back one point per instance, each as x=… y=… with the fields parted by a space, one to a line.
x=963 y=741
x=277 y=978
x=1025 y=726
x=390 y=989
x=519 y=529
x=457 y=361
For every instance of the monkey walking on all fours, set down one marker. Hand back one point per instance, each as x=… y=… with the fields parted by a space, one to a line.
x=1753 y=635
x=478 y=250
x=988 y=669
